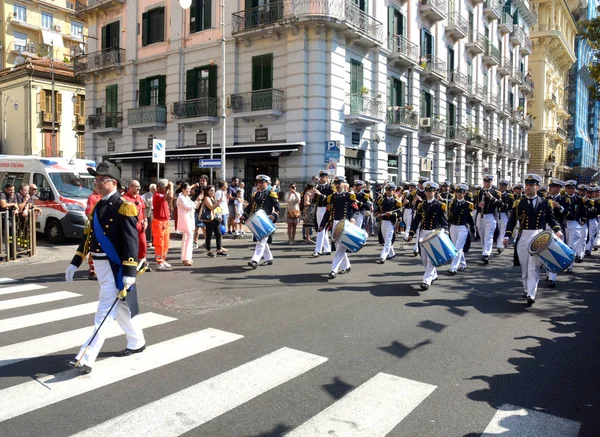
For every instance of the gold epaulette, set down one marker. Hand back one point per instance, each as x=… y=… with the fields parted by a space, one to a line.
x=329 y=198
x=516 y=204
x=352 y=196
x=471 y=205
x=380 y=201
x=367 y=197
x=274 y=194
x=128 y=209
x=398 y=203
x=130 y=262
x=420 y=207
x=511 y=197
x=444 y=207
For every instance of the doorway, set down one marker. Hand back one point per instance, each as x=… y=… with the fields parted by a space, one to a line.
x=256 y=166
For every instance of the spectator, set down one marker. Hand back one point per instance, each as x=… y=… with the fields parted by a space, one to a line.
x=292 y=216
x=33 y=191
x=177 y=193
x=199 y=194
x=239 y=211
x=211 y=216
x=276 y=188
x=233 y=188
x=308 y=213
x=186 y=208
x=133 y=195
x=222 y=198
x=254 y=189
x=147 y=198
x=8 y=202
x=160 y=222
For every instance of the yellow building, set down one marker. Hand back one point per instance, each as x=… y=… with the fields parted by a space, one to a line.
x=553 y=55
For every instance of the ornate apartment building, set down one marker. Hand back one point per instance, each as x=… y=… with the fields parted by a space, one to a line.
x=403 y=88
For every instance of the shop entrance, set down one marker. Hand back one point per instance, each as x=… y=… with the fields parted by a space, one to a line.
x=256 y=166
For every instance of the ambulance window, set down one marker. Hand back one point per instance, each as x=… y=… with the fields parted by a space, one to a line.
x=40 y=181
x=20 y=179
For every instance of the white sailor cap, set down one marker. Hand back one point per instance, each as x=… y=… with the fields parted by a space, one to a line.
x=323 y=172
x=477 y=186
x=533 y=178
x=359 y=182
x=582 y=187
x=412 y=184
x=488 y=177
x=390 y=185
x=445 y=184
x=423 y=179
x=263 y=178
x=503 y=182
x=518 y=186
x=430 y=185
x=461 y=187
x=339 y=179
x=555 y=182
x=571 y=183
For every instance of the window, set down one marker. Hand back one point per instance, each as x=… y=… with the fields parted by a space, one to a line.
x=20 y=41
x=20 y=13
x=262 y=72
x=426 y=104
x=356 y=83
x=81 y=146
x=79 y=105
x=47 y=20
x=451 y=114
x=45 y=103
x=153 y=26
x=152 y=91
x=76 y=29
x=396 y=23
x=200 y=15
x=396 y=92
x=111 y=35
x=201 y=82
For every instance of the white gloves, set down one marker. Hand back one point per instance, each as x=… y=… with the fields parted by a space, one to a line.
x=128 y=281
x=70 y=272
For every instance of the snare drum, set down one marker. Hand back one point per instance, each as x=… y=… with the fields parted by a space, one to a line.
x=553 y=252
x=438 y=247
x=350 y=236
x=260 y=225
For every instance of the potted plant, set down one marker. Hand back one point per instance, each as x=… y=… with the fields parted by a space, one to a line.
x=364 y=91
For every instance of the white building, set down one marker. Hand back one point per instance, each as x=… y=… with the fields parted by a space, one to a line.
x=405 y=88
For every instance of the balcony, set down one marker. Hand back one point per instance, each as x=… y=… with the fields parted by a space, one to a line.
x=565 y=48
x=276 y=17
x=516 y=116
x=524 y=156
x=402 y=120
x=106 y=123
x=526 y=121
x=364 y=111
x=78 y=123
x=526 y=48
x=506 y=110
x=474 y=141
x=97 y=61
x=46 y=117
x=457 y=26
x=49 y=153
x=526 y=11
x=527 y=86
x=517 y=37
x=457 y=82
x=492 y=9
x=490 y=147
x=516 y=77
x=550 y=101
x=433 y=10
x=147 y=117
x=260 y=103
x=403 y=52
x=491 y=55
x=562 y=112
x=505 y=25
x=204 y=110
x=87 y=6
x=433 y=68
x=504 y=68
x=490 y=101
x=475 y=93
x=455 y=135
x=476 y=43
x=436 y=129
x=561 y=133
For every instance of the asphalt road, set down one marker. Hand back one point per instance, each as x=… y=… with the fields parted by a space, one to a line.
x=460 y=358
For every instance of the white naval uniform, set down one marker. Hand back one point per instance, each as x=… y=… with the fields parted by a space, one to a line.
x=430 y=274
x=458 y=235
x=359 y=217
x=262 y=249
x=573 y=232
x=593 y=233
x=387 y=231
x=120 y=312
x=340 y=257
x=530 y=264
x=502 y=222
x=407 y=216
x=486 y=229
x=322 y=245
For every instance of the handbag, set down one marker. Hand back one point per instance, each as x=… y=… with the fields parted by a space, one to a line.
x=293 y=213
x=206 y=215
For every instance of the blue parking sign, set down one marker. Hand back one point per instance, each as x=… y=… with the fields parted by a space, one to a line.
x=332 y=151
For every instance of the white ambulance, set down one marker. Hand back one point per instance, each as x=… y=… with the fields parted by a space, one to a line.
x=64 y=186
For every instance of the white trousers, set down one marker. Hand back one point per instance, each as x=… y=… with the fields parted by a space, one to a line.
x=323 y=244
x=407 y=219
x=262 y=249
x=120 y=312
x=340 y=257
x=387 y=231
x=486 y=228
x=458 y=235
x=597 y=239
x=502 y=222
x=573 y=236
x=593 y=232
x=551 y=276
x=582 y=241
x=430 y=272
x=530 y=265
x=187 y=245
x=360 y=218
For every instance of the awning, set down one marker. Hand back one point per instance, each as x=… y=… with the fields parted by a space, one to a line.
x=49 y=37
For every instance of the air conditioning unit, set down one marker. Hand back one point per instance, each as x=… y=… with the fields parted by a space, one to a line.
x=58 y=27
x=237 y=102
x=425 y=122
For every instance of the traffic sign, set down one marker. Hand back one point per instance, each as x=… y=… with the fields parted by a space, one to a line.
x=332 y=167
x=209 y=163
x=332 y=151
x=159 y=151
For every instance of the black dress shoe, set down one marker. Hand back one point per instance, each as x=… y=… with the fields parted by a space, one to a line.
x=462 y=269
x=253 y=264
x=500 y=250
x=391 y=257
x=315 y=255
x=81 y=368
x=326 y=253
x=332 y=275
x=451 y=272
x=530 y=302
x=424 y=286
x=551 y=284
x=127 y=352
x=485 y=259
x=588 y=253
x=348 y=270
x=415 y=253
x=578 y=259
x=267 y=263
x=380 y=261
x=569 y=271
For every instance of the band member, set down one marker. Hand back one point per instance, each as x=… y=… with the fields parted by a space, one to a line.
x=341 y=205
x=419 y=197
x=534 y=213
x=554 y=200
x=445 y=195
x=267 y=200
x=388 y=210
x=460 y=219
x=488 y=201
x=407 y=201
x=592 y=221
x=517 y=191
x=597 y=203
x=363 y=201
x=112 y=238
x=430 y=215
x=321 y=191
x=575 y=215
x=504 y=212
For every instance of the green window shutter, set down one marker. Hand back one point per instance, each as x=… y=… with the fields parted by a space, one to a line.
x=162 y=90
x=161 y=25
x=190 y=85
x=111 y=98
x=143 y=92
x=145 y=29
x=403 y=25
x=212 y=81
x=390 y=96
x=207 y=15
x=267 y=81
x=391 y=12
x=105 y=42
x=402 y=93
x=256 y=73
x=193 y=19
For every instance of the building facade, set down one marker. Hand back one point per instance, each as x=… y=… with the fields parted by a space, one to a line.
x=582 y=151
x=372 y=90
x=553 y=55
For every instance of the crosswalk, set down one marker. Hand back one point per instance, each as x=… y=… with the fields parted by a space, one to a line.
x=373 y=409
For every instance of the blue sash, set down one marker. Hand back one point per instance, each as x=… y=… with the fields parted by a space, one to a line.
x=110 y=251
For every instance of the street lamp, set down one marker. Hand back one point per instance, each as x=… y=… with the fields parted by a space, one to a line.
x=15 y=108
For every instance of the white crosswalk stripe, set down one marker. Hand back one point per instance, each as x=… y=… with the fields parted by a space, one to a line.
x=66 y=340
x=511 y=421
x=189 y=408
x=47 y=316
x=35 y=300
x=20 y=288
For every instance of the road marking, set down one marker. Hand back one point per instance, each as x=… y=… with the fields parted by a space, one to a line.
x=189 y=408
x=41 y=392
x=39 y=347
x=511 y=421
x=20 y=288
x=7 y=280
x=373 y=409
x=47 y=316
x=34 y=300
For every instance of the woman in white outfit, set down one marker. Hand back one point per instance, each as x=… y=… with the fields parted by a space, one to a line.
x=185 y=222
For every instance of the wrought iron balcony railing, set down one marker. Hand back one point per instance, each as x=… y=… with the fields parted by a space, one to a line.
x=99 y=60
x=458 y=79
x=257 y=101
x=402 y=116
x=359 y=104
x=401 y=45
x=456 y=133
x=436 y=127
x=49 y=153
x=434 y=64
x=476 y=38
x=147 y=114
x=202 y=107
x=105 y=120
x=458 y=21
x=83 y=5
